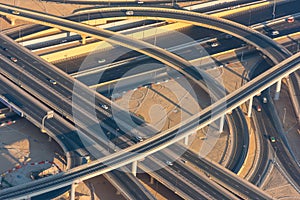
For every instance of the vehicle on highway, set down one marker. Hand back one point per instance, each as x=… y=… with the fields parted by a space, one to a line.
x=265 y=100
x=101 y=60
x=13 y=59
x=272 y=139
x=169 y=163
x=129 y=12
x=140 y=2
x=15 y=12
x=104 y=106
x=138 y=139
x=290 y=20
x=184 y=161
x=228 y=36
x=275 y=33
x=214 y=44
x=258 y=108
x=4 y=48
x=52 y=81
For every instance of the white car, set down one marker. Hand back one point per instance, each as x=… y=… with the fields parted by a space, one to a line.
x=139 y=139
x=104 y=106
x=275 y=33
x=265 y=100
x=129 y=12
x=101 y=61
x=52 y=81
x=169 y=163
x=214 y=44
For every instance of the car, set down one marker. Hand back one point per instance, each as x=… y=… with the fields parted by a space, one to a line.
x=4 y=48
x=138 y=139
x=258 y=108
x=275 y=33
x=13 y=59
x=63 y=41
x=290 y=20
x=101 y=61
x=10 y=122
x=228 y=36
x=140 y=2
x=214 y=44
x=169 y=163
x=265 y=100
x=52 y=81
x=104 y=106
x=272 y=139
x=184 y=161
x=129 y=12
x=15 y=12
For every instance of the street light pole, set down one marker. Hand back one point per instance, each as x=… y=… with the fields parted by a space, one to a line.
x=284 y=114
x=274 y=9
x=49 y=115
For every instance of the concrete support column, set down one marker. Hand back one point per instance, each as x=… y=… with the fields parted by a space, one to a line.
x=83 y=39
x=12 y=21
x=73 y=188
x=250 y=106
x=186 y=140
x=222 y=120
x=134 y=168
x=151 y=180
x=278 y=88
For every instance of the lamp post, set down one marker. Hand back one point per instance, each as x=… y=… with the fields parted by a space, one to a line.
x=274 y=9
x=284 y=114
x=49 y=115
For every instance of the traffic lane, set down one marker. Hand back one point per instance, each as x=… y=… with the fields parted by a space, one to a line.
x=171 y=177
x=281 y=151
x=37 y=113
x=191 y=176
x=211 y=170
x=126 y=180
x=50 y=97
x=262 y=131
x=195 y=179
x=65 y=89
x=257 y=16
x=27 y=82
x=35 y=67
x=240 y=144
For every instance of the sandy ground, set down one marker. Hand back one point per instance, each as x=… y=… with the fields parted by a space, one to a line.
x=166 y=104
x=278 y=186
x=22 y=142
x=42 y=6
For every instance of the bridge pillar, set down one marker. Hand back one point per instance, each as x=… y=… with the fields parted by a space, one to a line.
x=250 y=106
x=12 y=21
x=278 y=88
x=134 y=168
x=73 y=187
x=83 y=39
x=222 y=120
x=151 y=180
x=186 y=140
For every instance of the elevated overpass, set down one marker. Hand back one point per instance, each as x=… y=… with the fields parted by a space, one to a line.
x=148 y=52
x=163 y=139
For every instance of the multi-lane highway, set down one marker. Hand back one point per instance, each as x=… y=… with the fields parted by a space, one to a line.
x=161 y=140
x=38 y=84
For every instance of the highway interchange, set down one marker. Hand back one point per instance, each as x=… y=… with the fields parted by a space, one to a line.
x=59 y=99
